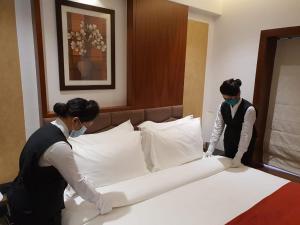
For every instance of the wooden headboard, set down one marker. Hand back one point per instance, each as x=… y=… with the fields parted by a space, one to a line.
x=108 y=120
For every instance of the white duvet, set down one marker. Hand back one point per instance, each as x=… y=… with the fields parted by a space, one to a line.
x=201 y=192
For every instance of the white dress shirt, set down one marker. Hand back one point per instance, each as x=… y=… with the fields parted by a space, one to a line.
x=246 y=132
x=61 y=157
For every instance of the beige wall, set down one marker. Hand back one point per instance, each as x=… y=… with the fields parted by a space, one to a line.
x=12 y=132
x=196 y=49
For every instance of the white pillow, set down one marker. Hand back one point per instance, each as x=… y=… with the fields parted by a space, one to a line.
x=113 y=158
x=123 y=127
x=175 y=145
x=96 y=138
x=149 y=124
x=146 y=136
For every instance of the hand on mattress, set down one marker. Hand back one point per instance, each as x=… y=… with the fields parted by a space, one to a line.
x=104 y=204
x=69 y=193
x=236 y=161
x=209 y=152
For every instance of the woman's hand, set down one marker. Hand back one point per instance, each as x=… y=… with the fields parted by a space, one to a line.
x=236 y=161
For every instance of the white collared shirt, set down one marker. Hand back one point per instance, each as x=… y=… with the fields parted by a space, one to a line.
x=60 y=156
x=247 y=127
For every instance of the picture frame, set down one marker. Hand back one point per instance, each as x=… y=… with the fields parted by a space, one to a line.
x=86 y=46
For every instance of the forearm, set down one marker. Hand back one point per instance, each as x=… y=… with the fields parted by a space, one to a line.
x=61 y=157
x=247 y=130
x=217 y=130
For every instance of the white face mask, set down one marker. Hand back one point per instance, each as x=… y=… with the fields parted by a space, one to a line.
x=77 y=133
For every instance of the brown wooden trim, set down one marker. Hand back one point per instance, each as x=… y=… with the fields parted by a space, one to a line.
x=263 y=80
x=116 y=108
x=281 y=174
x=286 y=32
x=264 y=73
x=103 y=110
x=38 y=36
x=130 y=51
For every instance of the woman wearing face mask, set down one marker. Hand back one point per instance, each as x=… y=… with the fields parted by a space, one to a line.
x=47 y=165
x=239 y=116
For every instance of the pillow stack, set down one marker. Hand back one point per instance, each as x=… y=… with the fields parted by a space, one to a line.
x=122 y=153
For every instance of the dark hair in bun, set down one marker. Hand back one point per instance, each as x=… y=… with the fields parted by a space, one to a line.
x=78 y=107
x=60 y=109
x=231 y=87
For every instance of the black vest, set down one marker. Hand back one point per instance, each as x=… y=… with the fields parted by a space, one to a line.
x=233 y=131
x=38 y=189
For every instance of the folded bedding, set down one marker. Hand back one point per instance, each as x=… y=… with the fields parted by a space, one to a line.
x=213 y=200
x=144 y=187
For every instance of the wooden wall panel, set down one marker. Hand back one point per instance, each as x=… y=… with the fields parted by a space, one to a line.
x=156 y=52
x=196 y=49
x=12 y=132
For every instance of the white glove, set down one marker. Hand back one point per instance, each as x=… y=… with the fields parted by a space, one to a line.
x=209 y=151
x=236 y=161
x=69 y=192
x=104 y=204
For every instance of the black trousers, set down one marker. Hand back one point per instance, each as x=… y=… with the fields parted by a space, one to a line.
x=34 y=218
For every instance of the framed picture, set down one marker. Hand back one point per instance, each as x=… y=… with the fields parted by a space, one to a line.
x=86 y=46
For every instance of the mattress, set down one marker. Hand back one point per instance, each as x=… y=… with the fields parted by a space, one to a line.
x=205 y=191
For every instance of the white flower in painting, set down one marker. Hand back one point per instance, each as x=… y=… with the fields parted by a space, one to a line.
x=86 y=38
x=81 y=24
x=73 y=45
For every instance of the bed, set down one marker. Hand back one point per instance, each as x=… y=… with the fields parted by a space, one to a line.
x=201 y=191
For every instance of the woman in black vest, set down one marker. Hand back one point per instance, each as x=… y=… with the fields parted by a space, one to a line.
x=239 y=116
x=47 y=165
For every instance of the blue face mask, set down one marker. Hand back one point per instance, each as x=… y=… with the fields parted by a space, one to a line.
x=77 y=133
x=232 y=102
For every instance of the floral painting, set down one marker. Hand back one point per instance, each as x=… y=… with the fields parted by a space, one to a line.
x=86 y=46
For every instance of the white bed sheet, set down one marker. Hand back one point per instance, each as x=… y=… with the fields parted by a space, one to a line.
x=202 y=192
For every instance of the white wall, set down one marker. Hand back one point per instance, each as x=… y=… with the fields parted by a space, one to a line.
x=211 y=6
x=114 y=97
x=235 y=46
x=106 y=98
x=27 y=65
